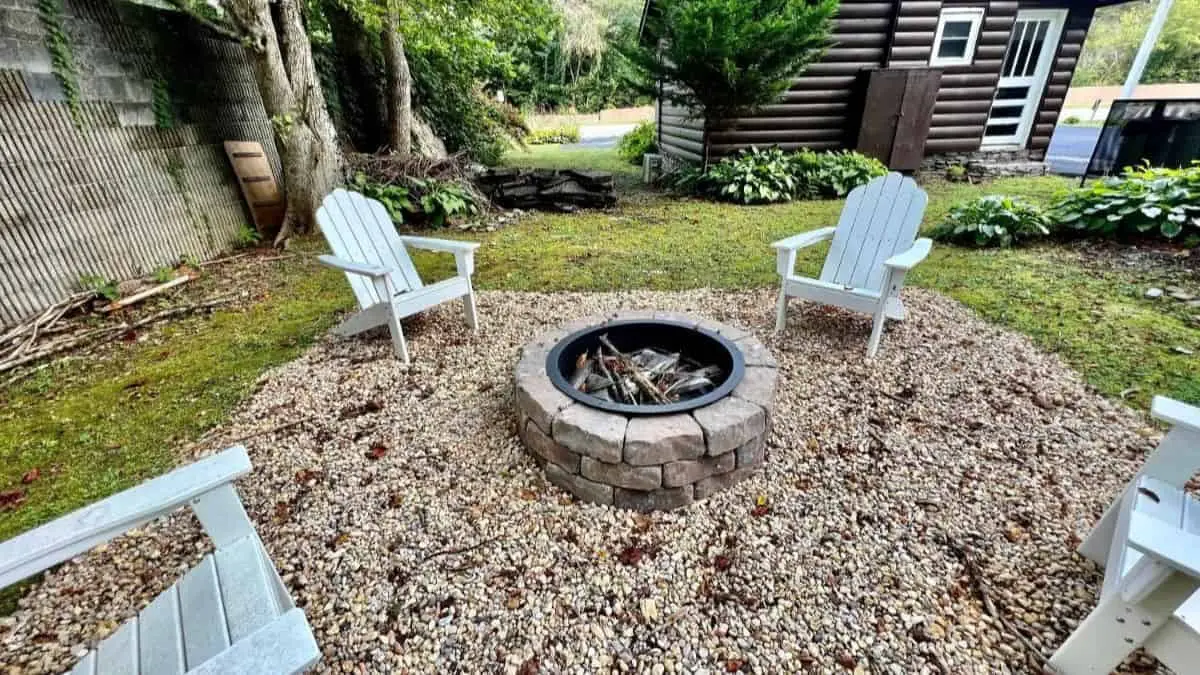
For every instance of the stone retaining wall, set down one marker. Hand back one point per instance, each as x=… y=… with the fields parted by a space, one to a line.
x=651 y=462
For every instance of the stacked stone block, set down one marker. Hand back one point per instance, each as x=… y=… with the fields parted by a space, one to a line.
x=647 y=462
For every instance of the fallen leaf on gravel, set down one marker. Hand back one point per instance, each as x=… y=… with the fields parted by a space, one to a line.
x=31 y=475
x=361 y=409
x=847 y=661
x=283 y=511
x=733 y=666
x=528 y=495
x=377 y=451
x=514 y=600
x=642 y=522
x=396 y=500
x=760 y=510
x=11 y=498
x=530 y=667
x=722 y=562
x=632 y=555
x=304 y=476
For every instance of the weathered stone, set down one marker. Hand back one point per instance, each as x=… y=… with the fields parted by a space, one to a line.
x=541 y=445
x=752 y=453
x=676 y=474
x=591 y=432
x=588 y=491
x=758 y=387
x=622 y=475
x=540 y=400
x=662 y=499
x=584 y=322
x=706 y=487
x=729 y=423
x=662 y=439
x=730 y=332
x=754 y=353
x=677 y=317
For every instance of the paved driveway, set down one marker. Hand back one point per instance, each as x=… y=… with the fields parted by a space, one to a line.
x=1071 y=148
x=600 y=135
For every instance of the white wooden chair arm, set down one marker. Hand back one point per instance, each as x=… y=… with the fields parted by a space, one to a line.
x=64 y=538
x=909 y=259
x=353 y=267
x=1165 y=542
x=805 y=239
x=432 y=244
x=1176 y=413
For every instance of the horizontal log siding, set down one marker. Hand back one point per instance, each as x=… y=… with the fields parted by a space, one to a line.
x=966 y=93
x=1079 y=18
x=813 y=113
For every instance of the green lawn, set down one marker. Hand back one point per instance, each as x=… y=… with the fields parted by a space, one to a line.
x=94 y=429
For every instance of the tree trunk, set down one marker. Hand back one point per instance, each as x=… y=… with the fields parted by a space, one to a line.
x=399 y=83
x=292 y=97
x=361 y=71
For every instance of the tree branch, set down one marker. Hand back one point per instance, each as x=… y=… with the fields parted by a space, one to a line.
x=224 y=30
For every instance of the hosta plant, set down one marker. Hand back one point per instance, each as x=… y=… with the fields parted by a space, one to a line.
x=833 y=174
x=994 y=220
x=1141 y=202
x=752 y=177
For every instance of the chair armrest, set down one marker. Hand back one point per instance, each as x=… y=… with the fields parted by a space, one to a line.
x=64 y=538
x=804 y=239
x=909 y=259
x=364 y=269
x=1167 y=543
x=431 y=244
x=1176 y=413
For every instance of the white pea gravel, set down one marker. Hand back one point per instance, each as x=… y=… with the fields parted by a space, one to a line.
x=451 y=552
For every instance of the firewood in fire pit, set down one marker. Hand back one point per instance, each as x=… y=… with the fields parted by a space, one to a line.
x=643 y=383
x=583 y=369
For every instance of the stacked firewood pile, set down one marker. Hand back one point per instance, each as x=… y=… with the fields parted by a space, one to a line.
x=648 y=376
x=565 y=190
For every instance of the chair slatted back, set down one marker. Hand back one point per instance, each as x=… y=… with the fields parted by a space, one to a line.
x=879 y=220
x=360 y=230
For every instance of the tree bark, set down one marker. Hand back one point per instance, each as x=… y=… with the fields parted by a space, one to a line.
x=399 y=83
x=287 y=81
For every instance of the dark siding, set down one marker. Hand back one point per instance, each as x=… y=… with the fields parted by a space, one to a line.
x=813 y=112
x=966 y=93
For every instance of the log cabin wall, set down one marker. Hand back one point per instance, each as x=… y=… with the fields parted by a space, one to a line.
x=816 y=111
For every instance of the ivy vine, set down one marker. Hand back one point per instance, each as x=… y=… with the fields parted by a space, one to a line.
x=164 y=112
x=62 y=60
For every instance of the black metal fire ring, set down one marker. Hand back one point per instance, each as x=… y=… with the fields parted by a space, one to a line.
x=720 y=350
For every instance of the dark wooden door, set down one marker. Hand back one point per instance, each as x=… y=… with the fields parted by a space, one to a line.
x=897 y=111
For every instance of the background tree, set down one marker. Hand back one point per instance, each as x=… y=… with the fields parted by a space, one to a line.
x=1118 y=30
x=399 y=89
x=722 y=58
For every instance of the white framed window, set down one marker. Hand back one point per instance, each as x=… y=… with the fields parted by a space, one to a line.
x=957 y=32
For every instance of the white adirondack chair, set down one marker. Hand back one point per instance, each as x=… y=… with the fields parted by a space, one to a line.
x=229 y=614
x=375 y=259
x=1149 y=542
x=873 y=247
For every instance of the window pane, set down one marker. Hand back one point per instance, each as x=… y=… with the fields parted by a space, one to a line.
x=1007 y=93
x=956 y=29
x=1000 y=130
x=953 y=48
x=1006 y=111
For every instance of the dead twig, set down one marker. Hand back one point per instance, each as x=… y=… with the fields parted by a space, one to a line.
x=457 y=551
x=222 y=261
x=629 y=366
x=974 y=572
x=271 y=430
x=148 y=293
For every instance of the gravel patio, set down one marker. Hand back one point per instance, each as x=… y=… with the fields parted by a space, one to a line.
x=419 y=536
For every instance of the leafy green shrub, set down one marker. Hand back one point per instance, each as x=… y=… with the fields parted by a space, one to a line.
x=1141 y=202
x=1072 y=120
x=638 y=142
x=565 y=134
x=103 y=286
x=757 y=176
x=956 y=173
x=397 y=199
x=442 y=200
x=752 y=177
x=163 y=274
x=426 y=200
x=246 y=237
x=994 y=220
x=833 y=174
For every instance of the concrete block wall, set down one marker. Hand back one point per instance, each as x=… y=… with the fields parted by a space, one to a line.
x=113 y=194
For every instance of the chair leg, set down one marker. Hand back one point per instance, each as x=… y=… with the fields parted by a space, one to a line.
x=781 y=310
x=398 y=343
x=469 y=309
x=877 y=330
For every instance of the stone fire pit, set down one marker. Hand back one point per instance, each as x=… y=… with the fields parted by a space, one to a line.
x=643 y=459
